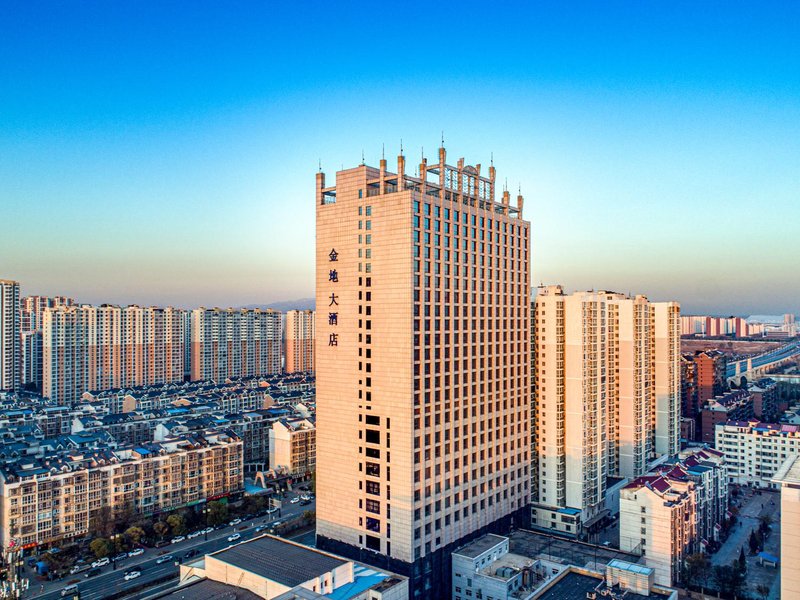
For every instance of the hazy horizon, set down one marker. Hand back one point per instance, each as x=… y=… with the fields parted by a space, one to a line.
x=155 y=163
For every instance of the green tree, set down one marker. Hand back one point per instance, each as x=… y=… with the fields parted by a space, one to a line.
x=742 y=562
x=762 y=590
x=729 y=580
x=217 y=513
x=135 y=534
x=177 y=523
x=101 y=547
x=313 y=482
x=753 y=542
x=161 y=529
x=695 y=570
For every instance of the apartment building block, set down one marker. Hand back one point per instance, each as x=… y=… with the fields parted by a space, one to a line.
x=293 y=446
x=754 y=451
x=607 y=399
x=235 y=343
x=300 y=341
x=9 y=335
x=49 y=499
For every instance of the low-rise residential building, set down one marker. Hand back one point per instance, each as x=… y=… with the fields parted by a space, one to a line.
x=293 y=446
x=488 y=569
x=47 y=499
x=765 y=396
x=658 y=520
x=272 y=568
x=754 y=451
x=731 y=406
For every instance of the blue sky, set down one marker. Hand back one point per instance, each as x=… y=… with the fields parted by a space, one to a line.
x=165 y=152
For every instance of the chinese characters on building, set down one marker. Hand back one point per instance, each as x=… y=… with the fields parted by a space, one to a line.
x=333 y=313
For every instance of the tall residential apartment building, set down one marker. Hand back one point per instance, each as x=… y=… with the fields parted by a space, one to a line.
x=607 y=398
x=31 y=341
x=92 y=348
x=299 y=341
x=787 y=479
x=423 y=365
x=235 y=343
x=9 y=335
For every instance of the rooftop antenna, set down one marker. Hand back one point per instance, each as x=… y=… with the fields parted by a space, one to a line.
x=421 y=153
x=491 y=158
x=519 y=188
x=443 y=138
x=401 y=146
x=362 y=157
x=505 y=186
x=383 y=151
x=320 y=165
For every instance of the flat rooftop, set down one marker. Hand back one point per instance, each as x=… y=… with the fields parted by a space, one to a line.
x=206 y=589
x=789 y=471
x=479 y=546
x=575 y=586
x=278 y=560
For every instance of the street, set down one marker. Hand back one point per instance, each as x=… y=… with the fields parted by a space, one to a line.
x=112 y=581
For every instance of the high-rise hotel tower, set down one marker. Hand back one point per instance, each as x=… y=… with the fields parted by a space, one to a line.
x=423 y=365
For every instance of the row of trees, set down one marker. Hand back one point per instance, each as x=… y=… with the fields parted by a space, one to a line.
x=727 y=580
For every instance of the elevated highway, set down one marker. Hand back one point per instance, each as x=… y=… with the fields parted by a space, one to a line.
x=758 y=365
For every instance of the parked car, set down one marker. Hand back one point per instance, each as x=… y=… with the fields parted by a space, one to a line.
x=101 y=562
x=305 y=502
x=136 y=552
x=121 y=556
x=273 y=510
x=294 y=500
x=162 y=543
x=177 y=539
x=234 y=537
x=191 y=553
x=132 y=575
x=69 y=590
x=235 y=522
x=208 y=530
x=194 y=534
x=304 y=488
x=166 y=558
x=80 y=568
x=92 y=573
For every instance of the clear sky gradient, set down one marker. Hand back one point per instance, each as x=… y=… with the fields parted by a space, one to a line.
x=165 y=153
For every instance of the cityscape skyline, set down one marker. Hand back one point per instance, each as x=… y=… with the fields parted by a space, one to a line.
x=156 y=145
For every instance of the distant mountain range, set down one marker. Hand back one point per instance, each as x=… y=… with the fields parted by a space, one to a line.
x=283 y=306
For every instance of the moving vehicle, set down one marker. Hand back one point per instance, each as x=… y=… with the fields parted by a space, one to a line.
x=136 y=552
x=80 y=568
x=102 y=562
x=69 y=590
x=92 y=573
x=191 y=553
x=132 y=575
x=234 y=537
x=166 y=558
x=273 y=510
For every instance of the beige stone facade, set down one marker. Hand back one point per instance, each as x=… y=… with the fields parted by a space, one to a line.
x=44 y=501
x=423 y=357
x=299 y=341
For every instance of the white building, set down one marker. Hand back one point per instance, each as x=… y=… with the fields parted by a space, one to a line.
x=755 y=451
x=9 y=335
x=293 y=446
x=658 y=521
x=607 y=399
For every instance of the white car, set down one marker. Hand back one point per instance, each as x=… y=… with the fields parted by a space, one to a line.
x=207 y=530
x=234 y=537
x=193 y=535
x=166 y=558
x=305 y=497
x=177 y=539
x=272 y=510
x=235 y=522
x=102 y=562
x=136 y=552
x=132 y=575
x=294 y=500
